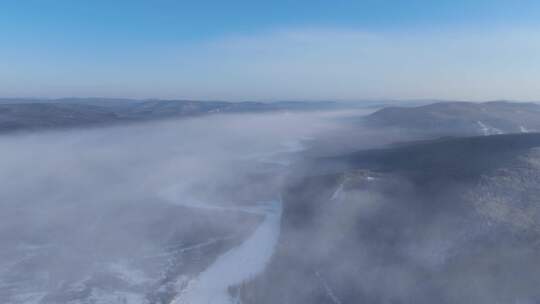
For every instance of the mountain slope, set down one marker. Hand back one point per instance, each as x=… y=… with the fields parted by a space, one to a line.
x=461 y=118
x=446 y=221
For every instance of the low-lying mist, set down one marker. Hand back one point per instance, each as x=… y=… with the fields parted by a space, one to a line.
x=77 y=202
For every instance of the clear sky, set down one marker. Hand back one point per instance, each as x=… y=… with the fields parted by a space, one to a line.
x=271 y=50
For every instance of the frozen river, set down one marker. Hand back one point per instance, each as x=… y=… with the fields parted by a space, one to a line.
x=237 y=265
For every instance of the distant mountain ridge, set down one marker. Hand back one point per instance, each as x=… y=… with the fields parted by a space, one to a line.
x=37 y=114
x=461 y=118
x=436 y=119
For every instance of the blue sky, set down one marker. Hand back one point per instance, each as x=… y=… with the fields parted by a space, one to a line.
x=269 y=50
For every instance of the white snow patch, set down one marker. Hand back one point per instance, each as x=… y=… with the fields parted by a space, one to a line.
x=237 y=265
x=338 y=193
x=329 y=292
x=487 y=130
